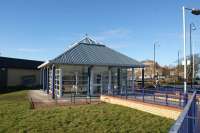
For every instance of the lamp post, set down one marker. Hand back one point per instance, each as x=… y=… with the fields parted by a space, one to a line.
x=192 y=28
x=178 y=65
x=154 y=59
x=195 y=12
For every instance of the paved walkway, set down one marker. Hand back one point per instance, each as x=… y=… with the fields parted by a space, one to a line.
x=160 y=110
x=39 y=96
x=40 y=99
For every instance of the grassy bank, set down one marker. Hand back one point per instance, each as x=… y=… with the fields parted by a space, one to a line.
x=16 y=116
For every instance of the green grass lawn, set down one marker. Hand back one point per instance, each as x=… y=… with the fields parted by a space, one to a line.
x=16 y=116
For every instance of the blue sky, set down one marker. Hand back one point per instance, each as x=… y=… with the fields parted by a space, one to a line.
x=42 y=29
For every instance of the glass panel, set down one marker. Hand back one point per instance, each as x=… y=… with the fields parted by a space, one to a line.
x=75 y=79
x=114 y=79
x=105 y=82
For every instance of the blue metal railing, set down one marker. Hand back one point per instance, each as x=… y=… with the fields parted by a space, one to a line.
x=148 y=95
x=188 y=120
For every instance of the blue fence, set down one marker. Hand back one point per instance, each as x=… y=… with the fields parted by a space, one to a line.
x=162 y=96
x=188 y=121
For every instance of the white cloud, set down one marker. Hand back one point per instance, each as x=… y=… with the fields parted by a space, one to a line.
x=118 y=33
x=118 y=38
x=33 y=50
x=118 y=46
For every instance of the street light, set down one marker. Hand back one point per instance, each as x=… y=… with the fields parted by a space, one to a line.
x=195 y=12
x=192 y=28
x=154 y=57
x=178 y=65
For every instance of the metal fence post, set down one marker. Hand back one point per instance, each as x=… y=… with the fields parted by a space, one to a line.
x=143 y=94
x=180 y=99
x=71 y=97
x=185 y=99
x=126 y=92
x=143 y=84
x=74 y=97
x=53 y=82
x=113 y=91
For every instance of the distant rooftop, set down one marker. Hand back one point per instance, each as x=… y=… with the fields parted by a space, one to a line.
x=6 y=62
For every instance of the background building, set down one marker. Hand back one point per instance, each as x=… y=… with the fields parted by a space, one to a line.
x=18 y=72
x=149 y=70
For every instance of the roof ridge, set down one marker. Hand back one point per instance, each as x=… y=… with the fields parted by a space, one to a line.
x=91 y=41
x=15 y=58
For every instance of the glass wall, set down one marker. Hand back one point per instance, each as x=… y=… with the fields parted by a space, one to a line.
x=75 y=79
x=100 y=80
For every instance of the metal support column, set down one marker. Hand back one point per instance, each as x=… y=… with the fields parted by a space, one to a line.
x=101 y=83
x=91 y=81
x=89 y=74
x=109 y=81
x=133 y=83
x=118 y=81
x=53 y=82
x=47 y=87
x=60 y=82
x=142 y=77
x=143 y=83
x=126 y=84
x=76 y=77
x=43 y=81
x=41 y=78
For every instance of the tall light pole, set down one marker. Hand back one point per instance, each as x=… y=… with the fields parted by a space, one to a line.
x=178 y=65
x=195 y=12
x=154 y=59
x=192 y=28
x=193 y=72
x=184 y=51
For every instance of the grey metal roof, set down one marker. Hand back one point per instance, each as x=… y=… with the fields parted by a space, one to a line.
x=6 y=62
x=89 y=52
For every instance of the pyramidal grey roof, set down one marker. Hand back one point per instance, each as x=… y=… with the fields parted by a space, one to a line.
x=90 y=52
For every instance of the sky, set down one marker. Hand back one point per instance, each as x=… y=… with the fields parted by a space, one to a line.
x=43 y=29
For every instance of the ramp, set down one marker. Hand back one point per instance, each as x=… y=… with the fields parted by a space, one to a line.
x=160 y=110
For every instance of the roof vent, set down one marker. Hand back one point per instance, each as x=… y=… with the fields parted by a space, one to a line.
x=88 y=40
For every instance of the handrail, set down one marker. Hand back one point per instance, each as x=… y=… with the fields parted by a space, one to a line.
x=160 y=98
x=177 y=125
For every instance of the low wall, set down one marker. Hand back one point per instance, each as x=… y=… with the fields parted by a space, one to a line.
x=164 y=111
